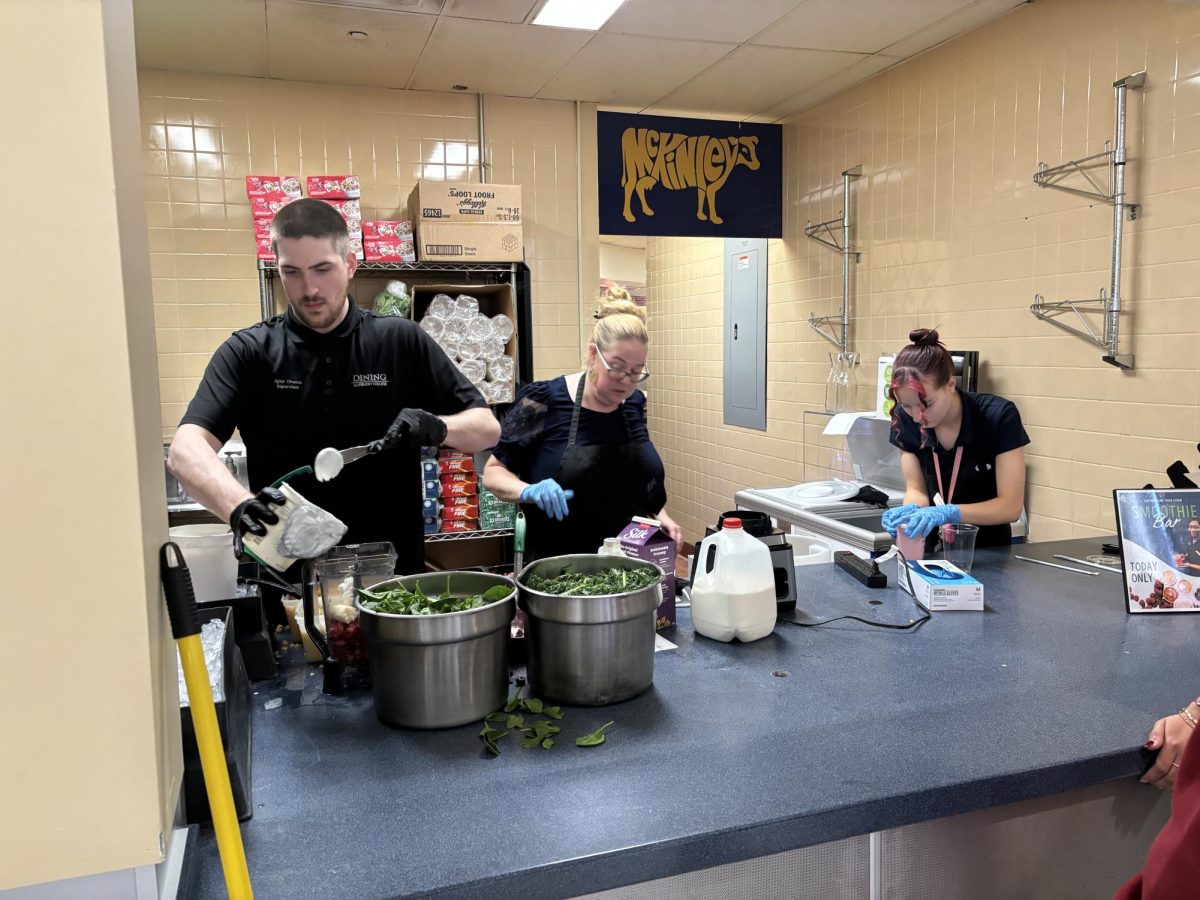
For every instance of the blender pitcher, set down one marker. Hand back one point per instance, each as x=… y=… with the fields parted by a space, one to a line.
x=340 y=573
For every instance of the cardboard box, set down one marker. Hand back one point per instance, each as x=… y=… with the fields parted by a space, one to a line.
x=266 y=207
x=452 y=525
x=938 y=585
x=461 y=201
x=387 y=229
x=644 y=539
x=469 y=242
x=334 y=187
x=389 y=250
x=432 y=525
x=431 y=489
x=273 y=187
x=494 y=299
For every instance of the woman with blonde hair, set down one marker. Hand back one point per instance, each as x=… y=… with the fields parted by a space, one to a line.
x=576 y=450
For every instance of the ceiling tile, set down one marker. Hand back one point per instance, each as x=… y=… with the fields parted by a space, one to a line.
x=495 y=58
x=428 y=7
x=307 y=42
x=515 y=11
x=220 y=36
x=698 y=20
x=631 y=71
x=955 y=24
x=866 y=26
x=752 y=79
x=827 y=87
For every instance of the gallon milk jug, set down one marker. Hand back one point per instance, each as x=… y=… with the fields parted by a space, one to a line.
x=733 y=596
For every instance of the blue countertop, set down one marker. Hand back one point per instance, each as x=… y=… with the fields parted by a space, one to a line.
x=738 y=751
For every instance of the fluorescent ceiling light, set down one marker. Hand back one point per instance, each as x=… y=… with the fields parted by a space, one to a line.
x=588 y=15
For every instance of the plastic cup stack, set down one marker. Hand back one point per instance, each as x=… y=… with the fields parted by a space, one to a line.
x=434 y=327
x=501 y=369
x=465 y=307
x=442 y=306
x=502 y=327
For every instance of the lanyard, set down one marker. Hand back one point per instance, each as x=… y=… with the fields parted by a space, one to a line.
x=948 y=495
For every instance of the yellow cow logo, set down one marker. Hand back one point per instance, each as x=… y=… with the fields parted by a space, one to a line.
x=679 y=161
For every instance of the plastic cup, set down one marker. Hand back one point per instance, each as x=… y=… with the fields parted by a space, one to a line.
x=912 y=548
x=958 y=545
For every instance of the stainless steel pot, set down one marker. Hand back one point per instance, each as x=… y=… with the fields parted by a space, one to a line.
x=589 y=651
x=442 y=670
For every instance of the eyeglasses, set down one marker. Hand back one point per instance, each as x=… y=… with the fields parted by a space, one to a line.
x=624 y=374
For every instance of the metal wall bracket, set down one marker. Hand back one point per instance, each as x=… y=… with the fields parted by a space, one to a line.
x=836 y=329
x=1111 y=191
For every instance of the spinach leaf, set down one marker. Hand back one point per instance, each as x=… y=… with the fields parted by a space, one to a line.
x=595 y=738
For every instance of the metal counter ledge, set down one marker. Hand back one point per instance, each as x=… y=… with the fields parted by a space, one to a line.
x=1052 y=688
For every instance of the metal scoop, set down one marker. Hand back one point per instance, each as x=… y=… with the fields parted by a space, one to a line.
x=329 y=462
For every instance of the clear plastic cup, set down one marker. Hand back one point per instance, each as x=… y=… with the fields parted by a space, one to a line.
x=503 y=392
x=502 y=327
x=434 y=326
x=912 y=548
x=501 y=369
x=492 y=349
x=474 y=369
x=958 y=545
x=469 y=349
x=466 y=307
x=456 y=329
x=479 y=328
x=441 y=306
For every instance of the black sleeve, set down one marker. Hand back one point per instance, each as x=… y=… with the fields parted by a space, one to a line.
x=449 y=390
x=218 y=402
x=521 y=429
x=1009 y=432
x=639 y=430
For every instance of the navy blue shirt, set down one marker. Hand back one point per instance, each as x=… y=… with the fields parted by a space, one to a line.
x=534 y=434
x=990 y=426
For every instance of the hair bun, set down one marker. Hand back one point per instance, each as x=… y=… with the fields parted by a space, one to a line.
x=620 y=308
x=924 y=337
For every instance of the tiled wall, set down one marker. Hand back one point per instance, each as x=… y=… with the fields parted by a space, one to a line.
x=202 y=134
x=955 y=234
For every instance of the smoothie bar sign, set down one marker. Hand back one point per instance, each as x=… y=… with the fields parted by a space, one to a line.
x=666 y=176
x=1160 y=548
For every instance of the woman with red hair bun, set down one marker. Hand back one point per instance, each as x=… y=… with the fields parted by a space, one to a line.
x=962 y=453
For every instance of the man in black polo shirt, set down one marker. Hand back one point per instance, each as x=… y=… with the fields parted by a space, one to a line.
x=327 y=374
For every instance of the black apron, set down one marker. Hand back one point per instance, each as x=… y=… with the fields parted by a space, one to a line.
x=612 y=484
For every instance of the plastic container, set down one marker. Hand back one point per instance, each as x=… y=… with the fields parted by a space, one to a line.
x=208 y=550
x=611 y=547
x=733 y=593
x=341 y=572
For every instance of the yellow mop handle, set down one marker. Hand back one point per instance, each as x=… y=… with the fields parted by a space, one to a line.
x=216 y=771
x=181 y=608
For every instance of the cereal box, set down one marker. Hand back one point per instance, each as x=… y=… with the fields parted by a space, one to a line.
x=273 y=187
x=334 y=187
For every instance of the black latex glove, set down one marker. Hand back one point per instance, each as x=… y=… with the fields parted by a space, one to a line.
x=412 y=428
x=254 y=514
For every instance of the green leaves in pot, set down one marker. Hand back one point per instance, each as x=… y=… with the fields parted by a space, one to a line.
x=593 y=584
x=400 y=601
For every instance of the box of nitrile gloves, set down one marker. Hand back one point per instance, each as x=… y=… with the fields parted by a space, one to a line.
x=938 y=585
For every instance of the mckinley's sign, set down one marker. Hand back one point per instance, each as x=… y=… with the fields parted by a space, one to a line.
x=665 y=176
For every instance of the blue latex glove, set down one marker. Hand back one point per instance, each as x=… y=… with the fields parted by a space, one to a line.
x=549 y=497
x=927 y=518
x=897 y=516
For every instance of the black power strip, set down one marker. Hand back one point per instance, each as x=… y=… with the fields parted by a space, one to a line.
x=864 y=570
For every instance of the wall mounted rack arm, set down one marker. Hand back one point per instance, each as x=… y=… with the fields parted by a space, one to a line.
x=1108 y=305
x=836 y=329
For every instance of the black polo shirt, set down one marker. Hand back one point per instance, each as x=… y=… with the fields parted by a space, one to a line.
x=990 y=426
x=291 y=391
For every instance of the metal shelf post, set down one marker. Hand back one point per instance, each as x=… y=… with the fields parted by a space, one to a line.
x=823 y=233
x=1108 y=304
